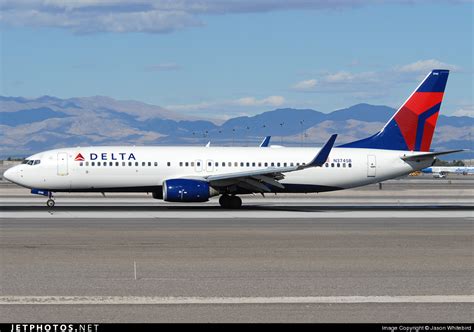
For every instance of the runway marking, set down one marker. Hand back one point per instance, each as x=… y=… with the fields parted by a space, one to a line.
x=74 y=300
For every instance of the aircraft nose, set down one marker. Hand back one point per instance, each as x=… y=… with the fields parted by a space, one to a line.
x=11 y=174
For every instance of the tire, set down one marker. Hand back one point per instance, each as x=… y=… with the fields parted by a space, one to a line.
x=50 y=203
x=235 y=202
x=223 y=200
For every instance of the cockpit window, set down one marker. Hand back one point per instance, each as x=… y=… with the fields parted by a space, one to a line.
x=31 y=162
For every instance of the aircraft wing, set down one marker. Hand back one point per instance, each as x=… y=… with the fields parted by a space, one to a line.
x=258 y=180
x=429 y=155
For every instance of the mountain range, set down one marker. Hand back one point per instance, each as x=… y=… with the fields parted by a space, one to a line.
x=32 y=125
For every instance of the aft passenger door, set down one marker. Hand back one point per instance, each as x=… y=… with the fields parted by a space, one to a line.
x=371 y=166
x=62 y=164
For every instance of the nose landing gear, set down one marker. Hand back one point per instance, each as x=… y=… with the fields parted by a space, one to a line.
x=230 y=202
x=50 y=202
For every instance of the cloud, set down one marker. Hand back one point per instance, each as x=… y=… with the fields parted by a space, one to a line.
x=163 y=67
x=371 y=83
x=248 y=102
x=466 y=110
x=269 y=101
x=424 y=66
x=150 y=16
x=337 y=81
x=305 y=85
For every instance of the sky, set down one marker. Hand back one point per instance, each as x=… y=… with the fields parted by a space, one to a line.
x=220 y=59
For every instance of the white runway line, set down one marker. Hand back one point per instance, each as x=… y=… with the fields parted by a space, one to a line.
x=146 y=300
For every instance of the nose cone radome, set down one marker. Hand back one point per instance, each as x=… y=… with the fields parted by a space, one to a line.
x=11 y=174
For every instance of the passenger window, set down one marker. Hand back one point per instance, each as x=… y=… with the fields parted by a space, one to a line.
x=123 y=163
x=236 y=164
x=87 y=163
x=81 y=164
x=143 y=163
x=111 y=163
x=169 y=164
x=253 y=164
x=223 y=164
x=198 y=164
x=216 y=163
x=229 y=164
x=338 y=165
x=259 y=164
x=278 y=164
x=149 y=164
x=129 y=163
x=209 y=164
x=241 y=164
x=332 y=164
x=98 y=163
x=284 y=164
x=326 y=164
x=248 y=164
x=186 y=164
x=192 y=163
x=180 y=164
x=266 y=164
x=92 y=163
x=117 y=163
x=344 y=165
x=297 y=164
x=156 y=163
x=350 y=165
x=292 y=164
x=136 y=163
x=272 y=164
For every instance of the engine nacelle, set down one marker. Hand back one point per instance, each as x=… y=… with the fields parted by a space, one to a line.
x=187 y=190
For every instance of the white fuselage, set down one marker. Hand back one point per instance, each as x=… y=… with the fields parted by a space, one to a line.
x=145 y=168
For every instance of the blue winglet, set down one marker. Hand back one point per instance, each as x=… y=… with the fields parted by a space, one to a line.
x=323 y=154
x=265 y=142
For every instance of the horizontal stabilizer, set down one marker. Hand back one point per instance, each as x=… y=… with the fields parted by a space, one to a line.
x=421 y=156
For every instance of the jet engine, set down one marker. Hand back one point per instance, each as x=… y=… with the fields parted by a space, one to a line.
x=187 y=190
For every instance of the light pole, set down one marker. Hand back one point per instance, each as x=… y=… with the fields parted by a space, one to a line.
x=302 y=132
x=281 y=132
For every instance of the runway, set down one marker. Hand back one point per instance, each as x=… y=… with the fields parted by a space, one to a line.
x=128 y=258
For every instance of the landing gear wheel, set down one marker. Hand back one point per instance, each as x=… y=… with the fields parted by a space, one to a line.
x=235 y=202
x=224 y=201
x=230 y=202
x=50 y=203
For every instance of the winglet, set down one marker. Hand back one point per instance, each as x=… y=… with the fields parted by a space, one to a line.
x=323 y=154
x=208 y=144
x=265 y=142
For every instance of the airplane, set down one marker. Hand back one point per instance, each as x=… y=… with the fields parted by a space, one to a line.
x=195 y=174
x=443 y=171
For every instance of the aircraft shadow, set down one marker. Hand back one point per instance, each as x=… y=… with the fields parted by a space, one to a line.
x=197 y=208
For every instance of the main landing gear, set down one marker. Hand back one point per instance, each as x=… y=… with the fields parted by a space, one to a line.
x=230 y=202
